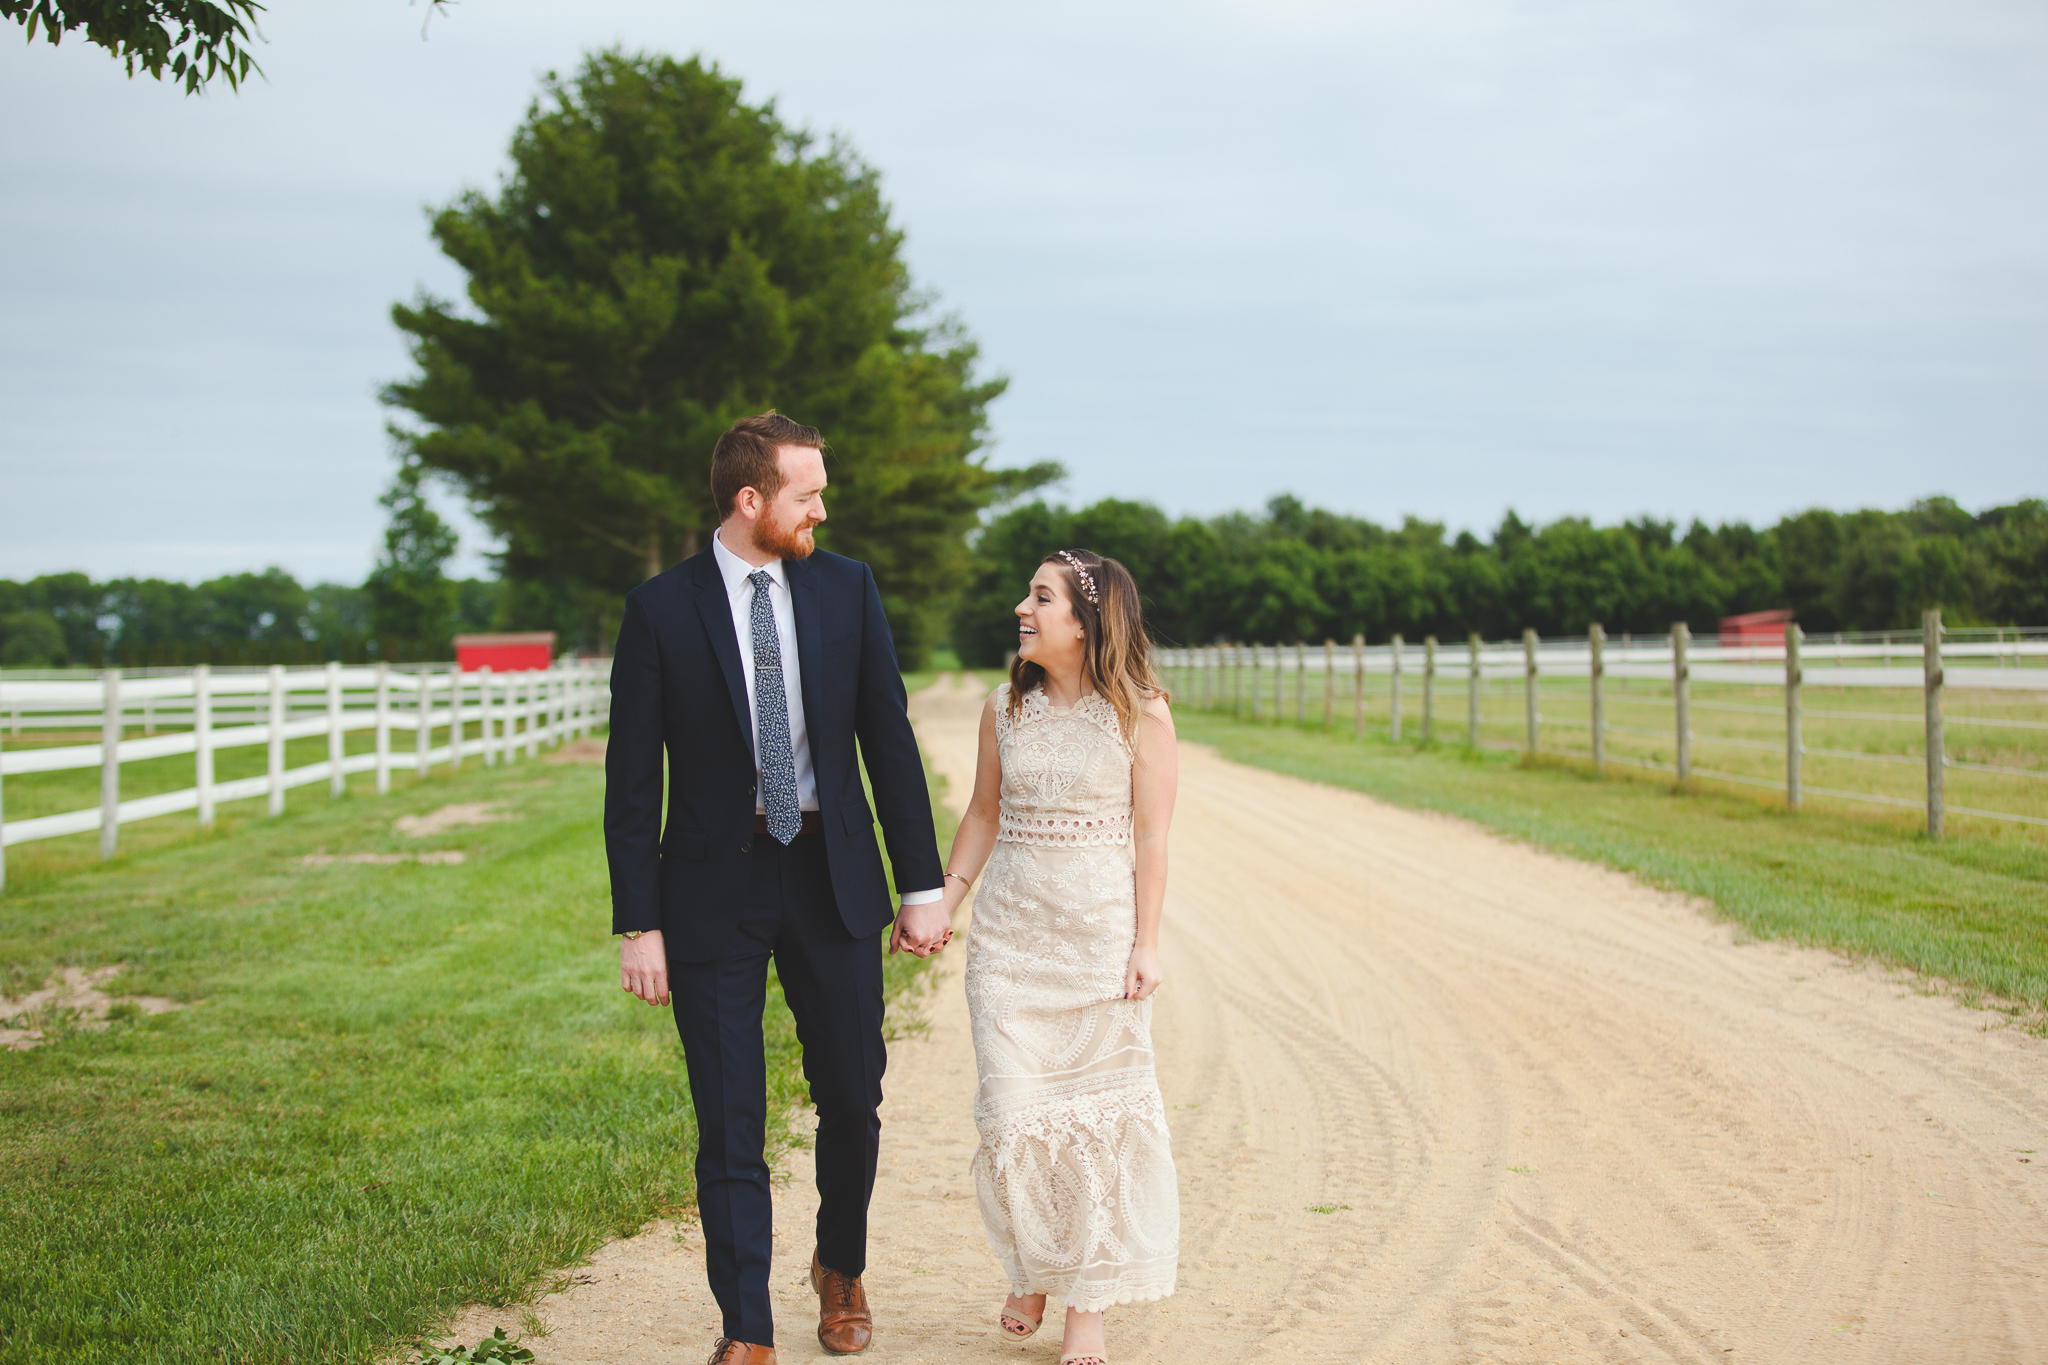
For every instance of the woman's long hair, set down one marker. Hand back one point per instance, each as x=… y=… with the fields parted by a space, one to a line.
x=1117 y=660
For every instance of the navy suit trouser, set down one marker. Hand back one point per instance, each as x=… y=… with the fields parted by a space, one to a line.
x=833 y=984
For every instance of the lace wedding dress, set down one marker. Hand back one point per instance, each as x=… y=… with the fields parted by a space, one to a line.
x=1074 y=1172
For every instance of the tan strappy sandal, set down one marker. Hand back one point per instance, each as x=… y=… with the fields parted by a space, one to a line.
x=1030 y=1325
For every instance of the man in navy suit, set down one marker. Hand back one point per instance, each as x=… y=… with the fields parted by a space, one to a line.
x=756 y=665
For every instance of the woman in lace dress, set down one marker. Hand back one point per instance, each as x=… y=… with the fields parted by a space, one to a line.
x=1067 y=831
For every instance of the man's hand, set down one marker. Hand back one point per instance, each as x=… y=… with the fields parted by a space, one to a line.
x=643 y=967
x=922 y=929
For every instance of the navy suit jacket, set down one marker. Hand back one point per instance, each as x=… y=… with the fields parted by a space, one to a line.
x=676 y=685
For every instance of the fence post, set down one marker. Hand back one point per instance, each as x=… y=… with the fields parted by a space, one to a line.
x=337 y=780
x=110 y=761
x=275 y=765
x=1596 y=637
x=1394 y=698
x=3 y=816
x=457 y=727
x=383 y=728
x=1255 y=679
x=1529 y=684
x=1930 y=660
x=1794 y=744
x=1358 y=686
x=1301 y=682
x=1428 y=689
x=534 y=712
x=1329 y=682
x=1472 y=693
x=1681 y=697
x=202 y=742
x=423 y=729
x=483 y=706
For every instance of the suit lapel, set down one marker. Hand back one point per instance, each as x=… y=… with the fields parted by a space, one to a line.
x=810 y=640
x=715 y=609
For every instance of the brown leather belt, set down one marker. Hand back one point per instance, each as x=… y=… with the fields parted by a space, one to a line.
x=813 y=823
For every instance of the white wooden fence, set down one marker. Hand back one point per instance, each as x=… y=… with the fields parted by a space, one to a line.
x=1255 y=680
x=203 y=711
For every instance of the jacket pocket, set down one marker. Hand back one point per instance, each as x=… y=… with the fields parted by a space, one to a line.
x=689 y=847
x=856 y=818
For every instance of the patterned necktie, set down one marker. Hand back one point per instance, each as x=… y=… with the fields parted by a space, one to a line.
x=771 y=719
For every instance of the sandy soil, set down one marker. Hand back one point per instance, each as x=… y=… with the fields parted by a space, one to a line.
x=1440 y=1097
x=74 y=994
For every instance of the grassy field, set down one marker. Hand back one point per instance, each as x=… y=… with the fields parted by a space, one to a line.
x=394 y=1089
x=1864 y=747
x=1971 y=910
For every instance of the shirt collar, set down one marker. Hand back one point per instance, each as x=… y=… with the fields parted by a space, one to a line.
x=736 y=570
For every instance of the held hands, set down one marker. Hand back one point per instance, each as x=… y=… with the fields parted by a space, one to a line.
x=923 y=929
x=1143 y=976
x=643 y=967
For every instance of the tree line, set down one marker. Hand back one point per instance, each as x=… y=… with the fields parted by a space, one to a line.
x=1301 y=573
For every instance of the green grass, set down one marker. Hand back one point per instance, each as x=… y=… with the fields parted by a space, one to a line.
x=1971 y=910
x=394 y=1090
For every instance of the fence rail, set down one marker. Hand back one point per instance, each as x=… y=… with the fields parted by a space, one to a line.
x=204 y=711
x=1636 y=702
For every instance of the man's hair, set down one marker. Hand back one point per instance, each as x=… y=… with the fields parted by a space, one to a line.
x=745 y=457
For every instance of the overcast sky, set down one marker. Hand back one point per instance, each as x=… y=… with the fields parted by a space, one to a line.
x=1713 y=259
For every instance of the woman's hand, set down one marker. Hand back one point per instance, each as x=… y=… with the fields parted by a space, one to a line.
x=1143 y=976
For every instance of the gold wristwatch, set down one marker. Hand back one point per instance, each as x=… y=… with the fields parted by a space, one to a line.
x=632 y=933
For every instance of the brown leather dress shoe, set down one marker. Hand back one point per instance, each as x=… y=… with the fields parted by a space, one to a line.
x=845 y=1327
x=730 y=1352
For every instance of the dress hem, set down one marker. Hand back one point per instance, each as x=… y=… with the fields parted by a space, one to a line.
x=1098 y=1305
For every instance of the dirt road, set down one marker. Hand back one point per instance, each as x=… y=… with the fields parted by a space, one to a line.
x=1439 y=1097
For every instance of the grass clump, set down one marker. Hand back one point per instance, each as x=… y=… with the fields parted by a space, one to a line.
x=1971 y=910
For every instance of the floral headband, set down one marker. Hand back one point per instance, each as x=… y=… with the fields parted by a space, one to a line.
x=1087 y=582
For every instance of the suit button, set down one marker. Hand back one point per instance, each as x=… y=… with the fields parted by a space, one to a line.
x=750 y=789
x=746 y=848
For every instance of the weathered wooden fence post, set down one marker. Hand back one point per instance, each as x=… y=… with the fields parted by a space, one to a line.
x=1529 y=684
x=1329 y=682
x=1472 y=693
x=275 y=751
x=1301 y=682
x=1256 y=688
x=337 y=781
x=1794 y=744
x=1930 y=662
x=1428 y=689
x=1358 y=686
x=1237 y=680
x=1595 y=639
x=383 y=728
x=110 y=761
x=1393 y=696
x=202 y=742
x=1681 y=697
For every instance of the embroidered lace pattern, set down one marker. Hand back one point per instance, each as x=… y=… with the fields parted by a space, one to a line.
x=1074 y=1173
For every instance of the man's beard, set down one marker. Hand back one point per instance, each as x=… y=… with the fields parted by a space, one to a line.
x=794 y=541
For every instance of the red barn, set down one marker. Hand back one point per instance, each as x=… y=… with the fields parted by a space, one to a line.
x=505 y=653
x=1756 y=628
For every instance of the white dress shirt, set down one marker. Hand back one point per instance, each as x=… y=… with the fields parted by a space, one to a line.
x=739 y=595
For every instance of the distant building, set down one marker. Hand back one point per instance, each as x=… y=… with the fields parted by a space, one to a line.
x=514 y=653
x=1750 y=628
